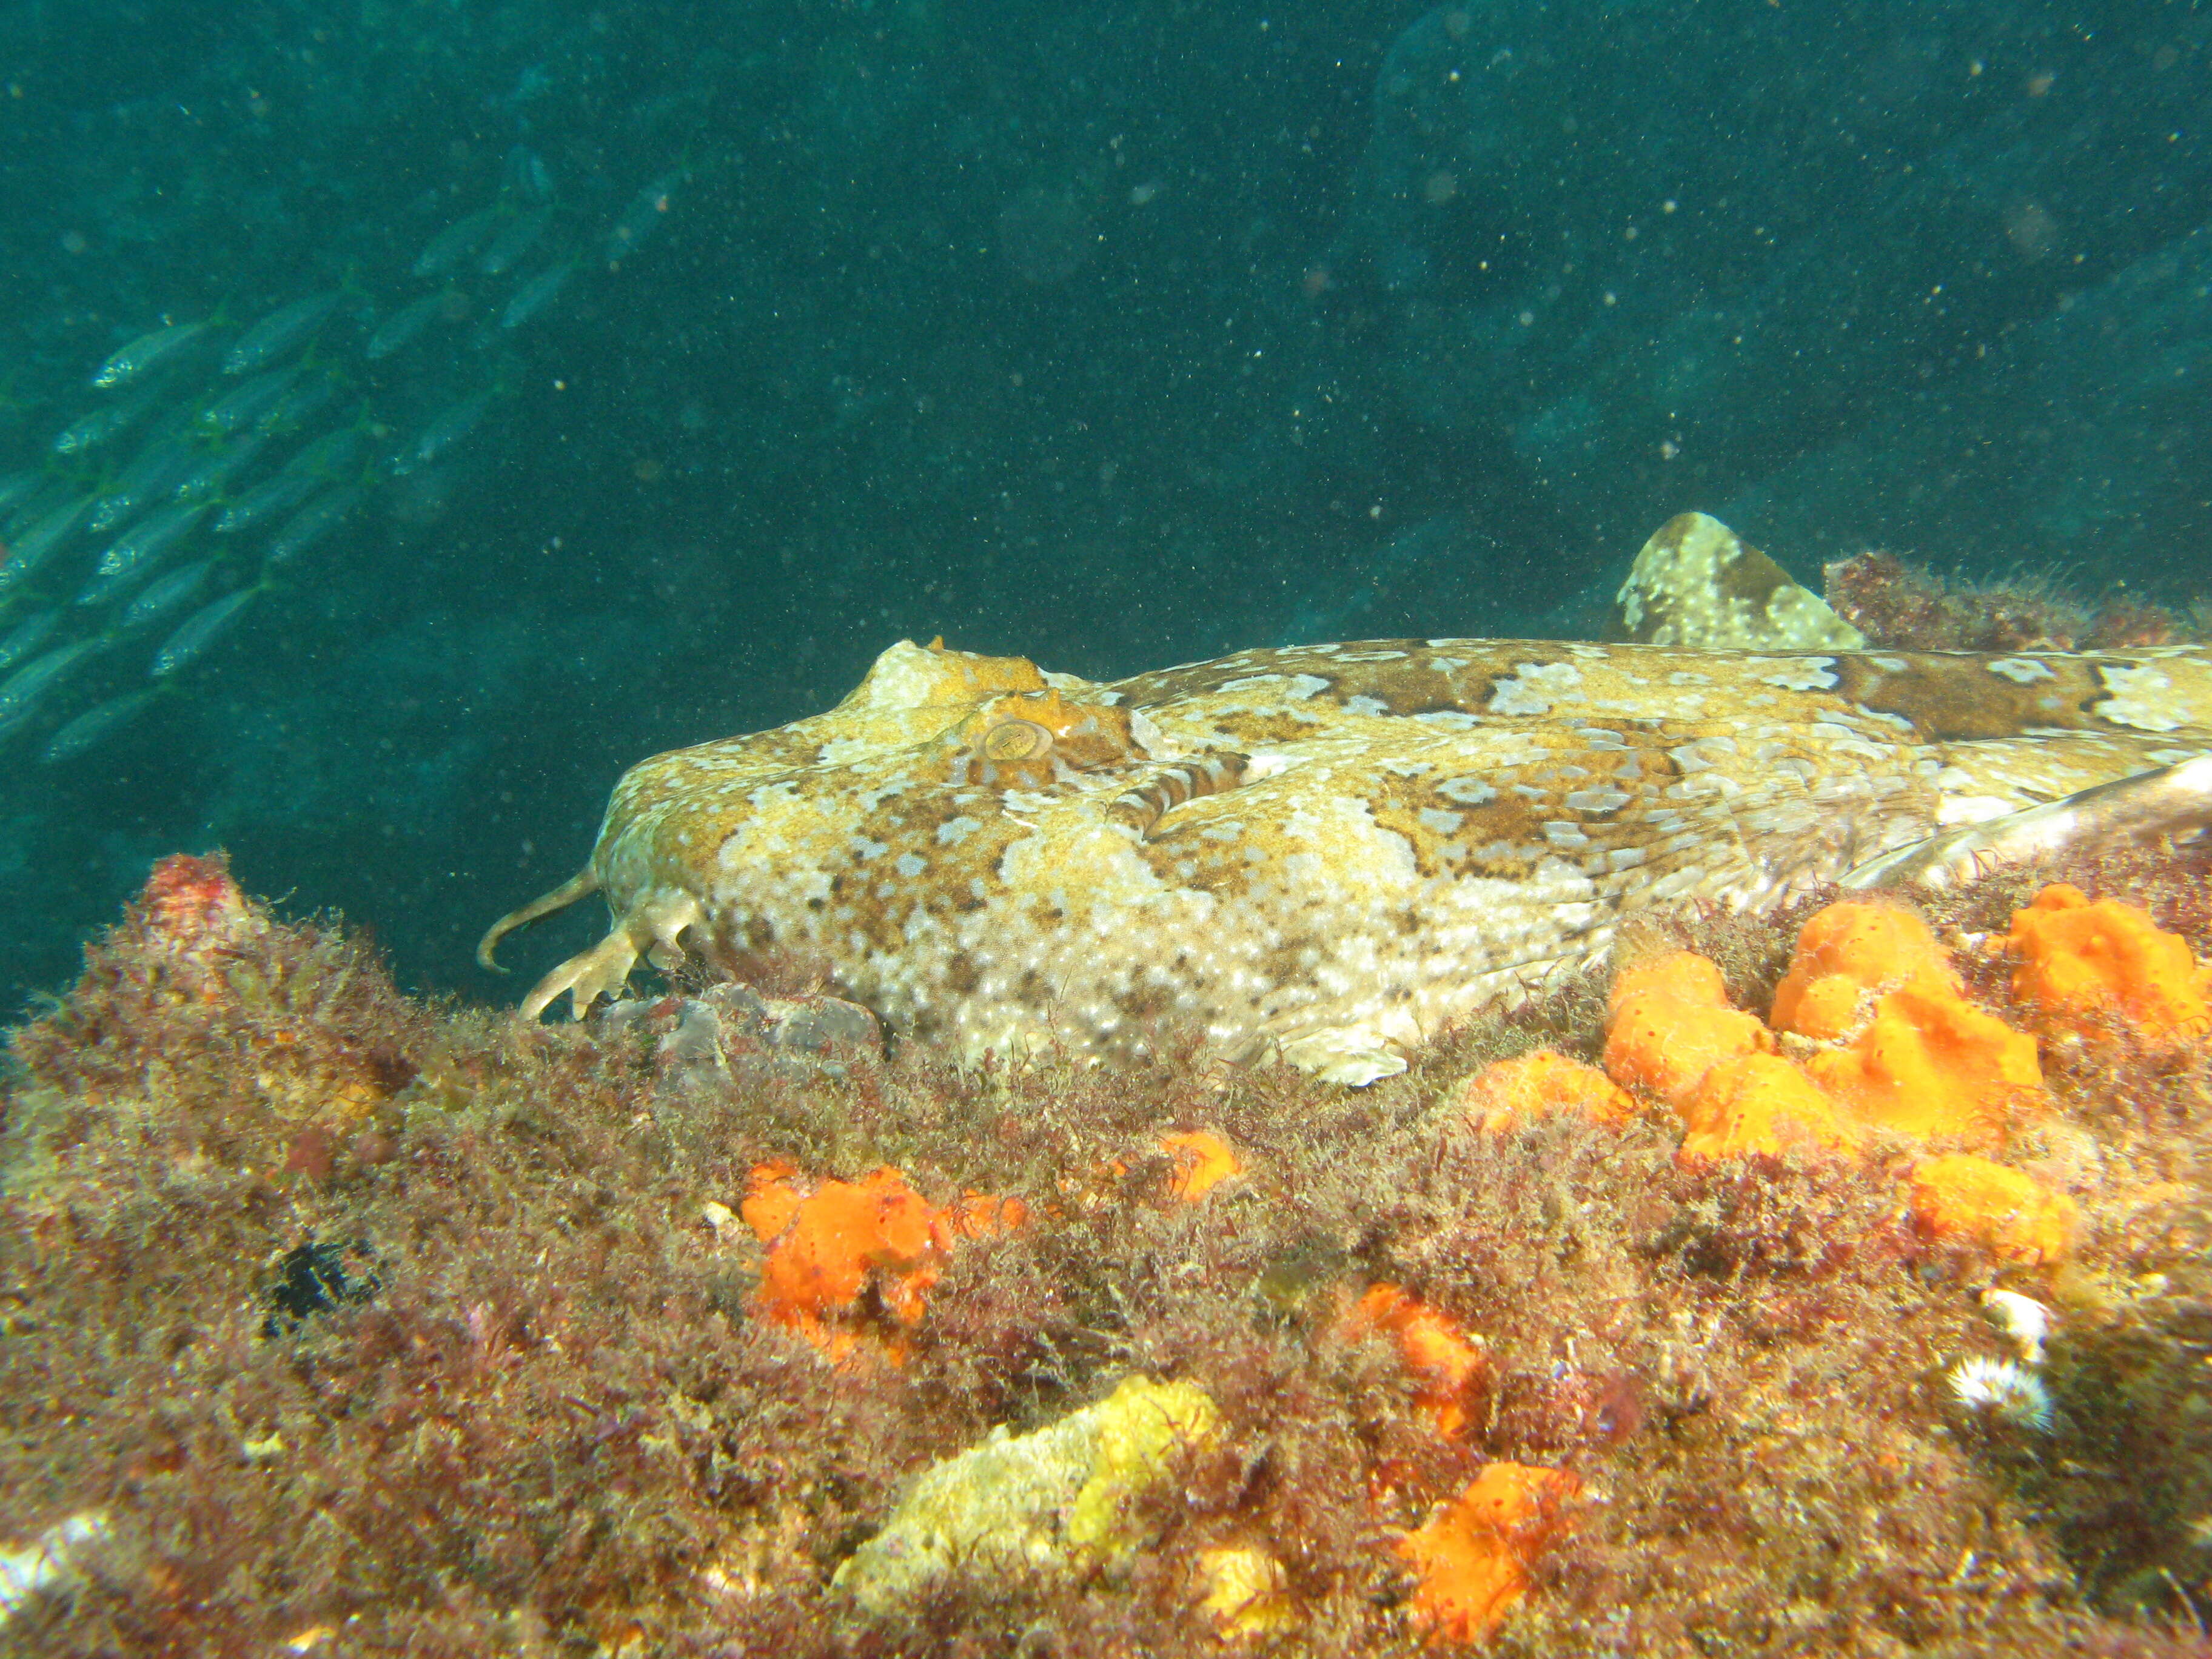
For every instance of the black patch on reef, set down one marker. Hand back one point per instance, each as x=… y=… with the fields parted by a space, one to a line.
x=313 y=1280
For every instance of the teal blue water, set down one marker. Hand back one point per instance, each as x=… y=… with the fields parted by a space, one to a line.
x=410 y=414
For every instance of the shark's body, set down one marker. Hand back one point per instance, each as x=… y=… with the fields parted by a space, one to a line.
x=1327 y=853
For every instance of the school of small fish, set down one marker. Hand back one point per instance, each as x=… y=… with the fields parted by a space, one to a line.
x=1326 y=853
x=217 y=457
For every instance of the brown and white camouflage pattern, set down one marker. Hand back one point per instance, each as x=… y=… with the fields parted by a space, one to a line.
x=1326 y=852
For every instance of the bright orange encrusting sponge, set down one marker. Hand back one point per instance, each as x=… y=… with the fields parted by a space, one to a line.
x=1672 y=1024
x=1916 y=1057
x=1903 y=1049
x=830 y=1245
x=1451 y=1372
x=1849 y=952
x=772 y=1195
x=1473 y=1556
x=2014 y=1217
x=1933 y=1065
x=1529 y=1086
x=1760 y=1104
x=1203 y=1161
x=2084 y=963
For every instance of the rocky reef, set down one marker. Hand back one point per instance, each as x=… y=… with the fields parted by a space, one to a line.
x=1830 y=1281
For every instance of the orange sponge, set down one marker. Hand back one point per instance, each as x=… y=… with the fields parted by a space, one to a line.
x=2014 y=1217
x=1930 y=1064
x=1845 y=953
x=772 y=1195
x=1671 y=1024
x=1203 y=1160
x=1529 y=1086
x=1759 y=1103
x=2084 y=963
x=829 y=1245
x=1472 y=1557
x=1452 y=1372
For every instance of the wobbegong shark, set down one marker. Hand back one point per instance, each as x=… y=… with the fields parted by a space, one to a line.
x=1327 y=853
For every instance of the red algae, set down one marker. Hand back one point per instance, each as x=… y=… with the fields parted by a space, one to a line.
x=338 y=1323
x=190 y=903
x=1908 y=607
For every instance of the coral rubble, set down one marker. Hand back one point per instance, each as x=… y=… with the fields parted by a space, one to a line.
x=338 y=1323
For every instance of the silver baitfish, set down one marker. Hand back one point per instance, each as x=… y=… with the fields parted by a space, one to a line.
x=301 y=403
x=35 y=545
x=166 y=594
x=247 y=404
x=20 y=692
x=206 y=480
x=265 y=500
x=149 y=351
x=96 y=725
x=311 y=523
x=153 y=472
x=279 y=331
x=456 y=242
x=527 y=175
x=18 y=486
x=401 y=327
x=443 y=433
x=516 y=238
x=644 y=214
x=334 y=452
x=534 y=296
x=142 y=547
x=97 y=427
x=202 y=630
x=28 y=636
x=34 y=507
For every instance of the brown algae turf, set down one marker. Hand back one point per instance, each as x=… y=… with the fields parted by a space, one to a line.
x=367 y=1326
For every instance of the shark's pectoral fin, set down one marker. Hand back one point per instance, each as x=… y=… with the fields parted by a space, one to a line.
x=655 y=924
x=2172 y=800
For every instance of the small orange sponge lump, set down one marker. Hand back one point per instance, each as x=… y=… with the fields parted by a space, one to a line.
x=1760 y=1104
x=2012 y=1215
x=2084 y=963
x=1529 y=1086
x=1672 y=1024
x=1203 y=1161
x=1451 y=1371
x=1473 y=1556
x=829 y=1245
x=1846 y=953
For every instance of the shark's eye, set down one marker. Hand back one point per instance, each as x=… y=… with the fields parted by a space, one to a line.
x=1015 y=740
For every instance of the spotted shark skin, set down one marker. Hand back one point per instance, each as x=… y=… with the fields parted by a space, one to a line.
x=1326 y=853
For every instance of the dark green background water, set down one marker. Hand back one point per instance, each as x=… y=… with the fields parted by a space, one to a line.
x=1111 y=336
